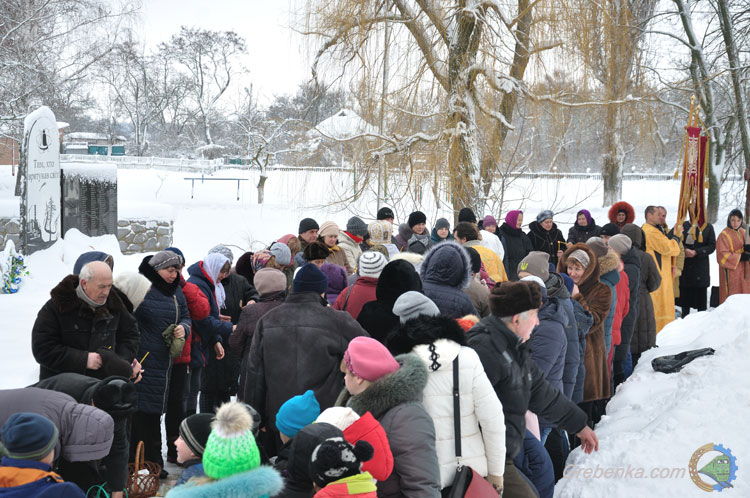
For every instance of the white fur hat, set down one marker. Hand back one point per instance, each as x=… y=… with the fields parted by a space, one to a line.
x=338 y=416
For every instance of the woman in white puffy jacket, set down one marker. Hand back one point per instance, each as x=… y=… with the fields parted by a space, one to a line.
x=438 y=340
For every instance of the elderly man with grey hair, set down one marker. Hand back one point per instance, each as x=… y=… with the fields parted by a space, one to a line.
x=85 y=328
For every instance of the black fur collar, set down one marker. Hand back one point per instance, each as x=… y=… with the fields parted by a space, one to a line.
x=65 y=298
x=424 y=330
x=152 y=275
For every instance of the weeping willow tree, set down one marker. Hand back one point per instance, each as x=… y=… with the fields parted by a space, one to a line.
x=441 y=78
x=606 y=38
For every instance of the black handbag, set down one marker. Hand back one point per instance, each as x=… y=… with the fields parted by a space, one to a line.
x=467 y=482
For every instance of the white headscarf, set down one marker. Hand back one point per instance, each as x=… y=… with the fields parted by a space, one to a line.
x=212 y=265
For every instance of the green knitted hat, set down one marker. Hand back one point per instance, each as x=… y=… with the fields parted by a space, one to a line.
x=231 y=447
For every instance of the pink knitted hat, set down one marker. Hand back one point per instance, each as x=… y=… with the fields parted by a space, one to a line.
x=368 y=359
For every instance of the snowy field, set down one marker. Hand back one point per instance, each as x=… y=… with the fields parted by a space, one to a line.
x=655 y=420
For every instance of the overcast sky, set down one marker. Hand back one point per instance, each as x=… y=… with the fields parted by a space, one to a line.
x=276 y=55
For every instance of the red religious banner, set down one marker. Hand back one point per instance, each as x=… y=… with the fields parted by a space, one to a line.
x=694 y=183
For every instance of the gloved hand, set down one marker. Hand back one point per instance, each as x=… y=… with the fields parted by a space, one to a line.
x=747 y=248
x=497 y=483
x=745 y=256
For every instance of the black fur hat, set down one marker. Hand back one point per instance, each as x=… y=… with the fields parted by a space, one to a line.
x=512 y=298
x=116 y=396
x=335 y=458
x=467 y=214
x=316 y=250
x=424 y=330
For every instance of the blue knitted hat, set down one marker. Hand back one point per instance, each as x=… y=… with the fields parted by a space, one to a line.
x=296 y=413
x=310 y=279
x=28 y=436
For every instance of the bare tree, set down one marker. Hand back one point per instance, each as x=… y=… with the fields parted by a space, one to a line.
x=141 y=84
x=466 y=59
x=210 y=59
x=48 y=47
x=606 y=35
x=735 y=70
x=264 y=136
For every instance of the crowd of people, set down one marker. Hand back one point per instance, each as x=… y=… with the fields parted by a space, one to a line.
x=358 y=361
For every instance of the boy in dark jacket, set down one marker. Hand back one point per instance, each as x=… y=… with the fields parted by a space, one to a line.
x=191 y=443
x=29 y=443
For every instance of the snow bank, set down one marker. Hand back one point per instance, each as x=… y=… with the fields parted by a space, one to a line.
x=657 y=421
x=91 y=172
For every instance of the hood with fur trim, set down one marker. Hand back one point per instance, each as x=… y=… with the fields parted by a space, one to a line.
x=424 y=330
x=404 y=385
x=447 y=263
x=621 y=206
x=439 y=354
x=257 y=483
x=590 y=275
x=608 y=262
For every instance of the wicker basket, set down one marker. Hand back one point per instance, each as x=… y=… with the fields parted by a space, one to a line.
x=142 y=485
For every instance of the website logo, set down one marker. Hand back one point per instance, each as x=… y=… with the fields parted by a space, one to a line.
x=721 y=469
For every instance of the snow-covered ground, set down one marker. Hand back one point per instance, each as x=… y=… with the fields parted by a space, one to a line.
x=655 y=420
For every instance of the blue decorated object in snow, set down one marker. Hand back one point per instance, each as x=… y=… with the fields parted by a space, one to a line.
x=12 y=268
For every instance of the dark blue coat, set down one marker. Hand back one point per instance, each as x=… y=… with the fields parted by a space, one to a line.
x=163 y=305
x=211 y=329
x=573 y=354
x=549 y=344
x=446 y=271
x=535 y=463
x=584 y=321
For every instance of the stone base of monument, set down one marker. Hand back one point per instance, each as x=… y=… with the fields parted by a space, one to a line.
x=10 y=229
x=140 y=235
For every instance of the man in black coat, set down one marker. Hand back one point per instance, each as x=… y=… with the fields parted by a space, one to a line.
x=696 y=275
x=117 y=397
x=298 y=346
x=85 y=328
x=501 y=341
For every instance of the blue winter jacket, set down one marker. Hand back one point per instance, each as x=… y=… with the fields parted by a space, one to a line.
x=194 y=470
x=573 y=356
x=163 y=305
x=535 y=463
x=211 y=329
x=47 y=487
x=445 y=272
x=549 y=344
